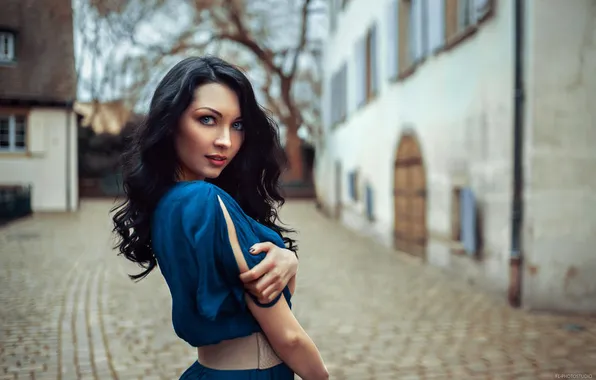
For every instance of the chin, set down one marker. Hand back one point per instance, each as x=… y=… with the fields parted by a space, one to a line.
x=212 y=174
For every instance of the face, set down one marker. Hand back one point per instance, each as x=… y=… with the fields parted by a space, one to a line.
x=210 y=132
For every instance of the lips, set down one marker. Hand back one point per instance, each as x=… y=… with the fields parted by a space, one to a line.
x=217 y=160
x=216 y=157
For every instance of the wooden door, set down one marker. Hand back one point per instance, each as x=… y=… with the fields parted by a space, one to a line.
x=410 y=198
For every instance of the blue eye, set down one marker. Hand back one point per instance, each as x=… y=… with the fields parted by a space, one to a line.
x=238 y=126
x=207 y=120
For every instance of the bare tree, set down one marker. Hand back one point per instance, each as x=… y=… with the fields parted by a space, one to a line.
x=279 y=35
x=277 y=42
x=109 y=66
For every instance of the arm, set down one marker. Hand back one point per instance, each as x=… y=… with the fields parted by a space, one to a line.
x=268 y=278
x=289 y=340
x=287 y=337
x=292 y=285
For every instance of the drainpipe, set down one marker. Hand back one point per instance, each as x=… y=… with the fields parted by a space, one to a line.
x=516 y=254
x=68 y=154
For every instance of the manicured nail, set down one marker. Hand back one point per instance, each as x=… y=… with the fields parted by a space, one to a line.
x=251 y=250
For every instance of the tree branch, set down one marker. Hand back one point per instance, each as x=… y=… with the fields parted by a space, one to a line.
x=302 y=41
x=257 y=29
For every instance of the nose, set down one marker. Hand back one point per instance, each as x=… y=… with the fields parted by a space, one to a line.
x=224 y=140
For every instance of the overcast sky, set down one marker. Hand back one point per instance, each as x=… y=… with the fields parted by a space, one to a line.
x=281 y=15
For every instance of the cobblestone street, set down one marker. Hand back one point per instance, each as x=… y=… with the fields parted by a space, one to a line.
x=68 y=311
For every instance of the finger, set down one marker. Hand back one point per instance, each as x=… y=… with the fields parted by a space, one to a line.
x=255 y=293
x=251 y=287
x=266 y=300
x=257 y=271
x=260 y=247
x=271 y=292
x=266 y=281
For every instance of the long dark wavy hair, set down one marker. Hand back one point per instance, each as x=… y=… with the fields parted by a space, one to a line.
x=151 y=165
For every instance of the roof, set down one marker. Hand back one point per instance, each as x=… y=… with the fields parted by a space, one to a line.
x=44 y=69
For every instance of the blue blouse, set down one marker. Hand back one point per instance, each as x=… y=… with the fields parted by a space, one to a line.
x=191 y=244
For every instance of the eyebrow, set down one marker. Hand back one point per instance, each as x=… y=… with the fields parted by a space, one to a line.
x=210 y=109
x=216 y=112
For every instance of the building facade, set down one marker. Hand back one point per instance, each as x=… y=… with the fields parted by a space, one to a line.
x=38 y=132
x=463 y=132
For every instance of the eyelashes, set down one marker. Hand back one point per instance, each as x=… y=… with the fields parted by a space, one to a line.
x=210 y=121
x=203 y=120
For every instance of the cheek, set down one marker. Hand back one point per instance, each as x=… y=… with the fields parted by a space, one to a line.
x=188 y=145
x=237 y=142
x=182 y=150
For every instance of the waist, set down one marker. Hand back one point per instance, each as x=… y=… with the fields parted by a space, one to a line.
x=249 y=352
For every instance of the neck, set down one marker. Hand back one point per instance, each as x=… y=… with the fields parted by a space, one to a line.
x=187 y=175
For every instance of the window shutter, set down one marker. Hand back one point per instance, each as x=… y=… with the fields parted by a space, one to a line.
x=436 y=25
x=374 y=52
x=343 y=95
x=468 y=221
x=338 y=96
x=356 y=76
x=416 y=30
x=352 y=189
x=333 y=12
x=36 y=129
x=481 y=8
x=352 y=83
x=423 y=29
x=392 y=39
x=369 y=202
x=333 y=99
x=360 y=72
x=412 y=34
x=466 y=16
x=330 y=112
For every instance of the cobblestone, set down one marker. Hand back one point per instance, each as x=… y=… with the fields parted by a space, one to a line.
x=70 y=312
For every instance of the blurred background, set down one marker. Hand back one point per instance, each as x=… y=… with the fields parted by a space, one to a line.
x=442 y=179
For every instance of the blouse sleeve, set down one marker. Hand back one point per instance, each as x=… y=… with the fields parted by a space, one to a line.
x=219 y=289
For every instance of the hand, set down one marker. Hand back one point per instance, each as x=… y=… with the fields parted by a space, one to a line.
x=268 y=278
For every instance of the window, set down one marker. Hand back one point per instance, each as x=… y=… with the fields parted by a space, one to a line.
x=463 y=15
x=366 y=70
x=405 y=35
x=456 y=214
x=371 y=64
x=464 y=224
x=435 y=28
x=392 y=32
x=339 y=99
x=335 y=6
x=419 y=28
x=370 y=215
x=412 y=33
x=13 y=133
x=6 y=47
x=332 y=15
x=353 y=185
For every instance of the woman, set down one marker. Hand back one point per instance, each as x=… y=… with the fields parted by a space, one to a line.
x=201 y=180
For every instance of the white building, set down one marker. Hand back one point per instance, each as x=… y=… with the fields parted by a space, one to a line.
x=46 y=159
x=38 y=129
x=426 y=138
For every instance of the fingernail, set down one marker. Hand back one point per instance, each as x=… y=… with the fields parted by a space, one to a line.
x=251 y=250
